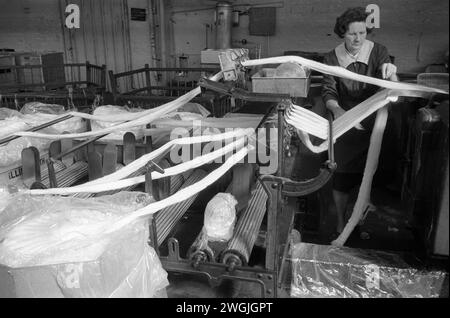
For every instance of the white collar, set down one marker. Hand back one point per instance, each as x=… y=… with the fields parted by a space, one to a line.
x=345 y=59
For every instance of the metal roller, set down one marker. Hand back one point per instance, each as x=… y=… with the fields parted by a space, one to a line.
x=70 y=175
x=57 y=165
x=201 y=251
x=176 y=182
x=167 y=218
x=246 y=231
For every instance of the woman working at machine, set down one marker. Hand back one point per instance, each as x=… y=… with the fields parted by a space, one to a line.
x=359 y=55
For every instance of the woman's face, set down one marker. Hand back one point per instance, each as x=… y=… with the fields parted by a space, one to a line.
x=355 y=36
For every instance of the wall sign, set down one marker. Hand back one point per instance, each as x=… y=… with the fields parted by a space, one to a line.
x=138 y=14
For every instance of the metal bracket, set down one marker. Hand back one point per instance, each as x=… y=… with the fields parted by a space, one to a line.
x=293 y=188
x=217 y=272
x=129 y=148
x=231 y=63
x=109 y=159
x=31 y=167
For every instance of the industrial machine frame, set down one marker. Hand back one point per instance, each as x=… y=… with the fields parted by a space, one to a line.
x=281 y=192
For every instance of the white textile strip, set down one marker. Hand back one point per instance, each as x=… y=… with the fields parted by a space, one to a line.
x=344 y=73
x=369 y=170
x=300 y=118
x=142 y=161
x=220 y=123
x=115 y=185
x=182 y=194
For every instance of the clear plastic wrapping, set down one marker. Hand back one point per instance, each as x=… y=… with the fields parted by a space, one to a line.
x=322 y=271
x=220 y=216
x=194 y=108
x=11 y=152
x=107 y=110
x=41 y=108
x=12 y=121
x=8 y=113
x=67 y=245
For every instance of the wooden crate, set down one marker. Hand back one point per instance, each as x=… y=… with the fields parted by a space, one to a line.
x=7 y=75
x=52 y=70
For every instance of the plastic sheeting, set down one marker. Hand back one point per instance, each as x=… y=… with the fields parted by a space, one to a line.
x=47 y=230
x=11 y=152
x=12 y=121
x=76 y=257
x=115 y=110
x=322 y=271
x=220 y=216
x=41 y=108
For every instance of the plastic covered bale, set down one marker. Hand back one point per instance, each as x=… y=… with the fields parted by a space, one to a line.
x=57 y=247
x=220 y=216
x=31 y=115
x=36 y=113
x=8 y=195
x=11 y=152
x=322 y=271
x=7 y=113
x=109 y=110
x=38 y=107
x=194 y=108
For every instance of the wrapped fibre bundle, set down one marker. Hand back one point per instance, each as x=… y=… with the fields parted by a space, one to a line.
x=106 y=110
x=56 y=247
x=10 y=153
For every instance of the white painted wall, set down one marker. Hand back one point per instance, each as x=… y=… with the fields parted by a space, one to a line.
x=415 y=32
x=106 y=34
x=140 y=36
x=30 y=25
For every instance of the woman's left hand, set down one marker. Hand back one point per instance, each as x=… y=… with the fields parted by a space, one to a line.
x=387 y=70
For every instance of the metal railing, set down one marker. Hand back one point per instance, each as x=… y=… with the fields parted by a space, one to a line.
x=150 y=87
x=62 y=84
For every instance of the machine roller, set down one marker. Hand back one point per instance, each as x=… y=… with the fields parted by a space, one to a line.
x=239 y=247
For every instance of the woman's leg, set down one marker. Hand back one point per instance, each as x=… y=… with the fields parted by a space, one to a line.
x=340 y=200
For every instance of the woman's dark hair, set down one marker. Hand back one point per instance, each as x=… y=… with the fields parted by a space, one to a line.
x=357 y=14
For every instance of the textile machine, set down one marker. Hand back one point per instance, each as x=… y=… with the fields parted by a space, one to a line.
x=268 y=200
